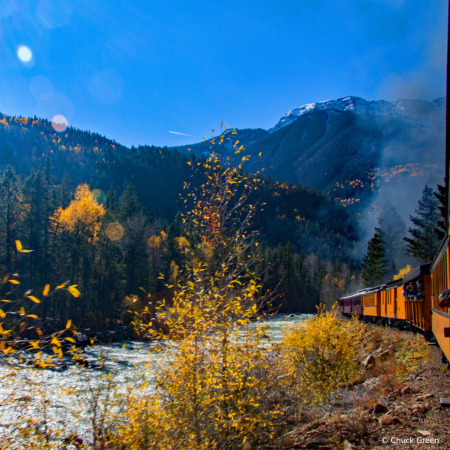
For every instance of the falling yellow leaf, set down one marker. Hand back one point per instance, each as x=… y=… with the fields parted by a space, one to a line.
x=74 y=291
x=14 y=281
x=70 y=340
x=33 y=299
x=68 y=324
x=56 y=342
x=20 y=249
x=33 y=316
x=46 y=290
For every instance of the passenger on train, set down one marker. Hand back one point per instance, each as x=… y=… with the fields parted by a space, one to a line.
x=405 y=289
x=411 y=291
x=420 y=290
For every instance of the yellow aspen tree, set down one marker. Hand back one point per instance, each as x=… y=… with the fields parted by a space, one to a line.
x=82 y=220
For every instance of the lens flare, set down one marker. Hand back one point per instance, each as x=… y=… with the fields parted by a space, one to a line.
x=24 y=53
x=106 y=86
x=55 y=14
x=54 y=104
x=99 y=195
x=59 y=123
x=115 y=231
x=41 y=88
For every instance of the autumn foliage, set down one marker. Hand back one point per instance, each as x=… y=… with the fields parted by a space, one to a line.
x=82 y=216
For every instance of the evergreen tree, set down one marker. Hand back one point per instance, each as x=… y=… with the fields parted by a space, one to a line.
x=129 y=202
x=65 y=192
x=442 y=225
x=108 y=271
x=50 y=204
x=424 y=243
x=36 y=195
x=111 y=199
x=10 y=211
x=134 y=246
x=373 y=265
x=393 y=228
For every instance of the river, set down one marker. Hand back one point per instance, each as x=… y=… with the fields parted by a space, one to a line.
x=56 y=399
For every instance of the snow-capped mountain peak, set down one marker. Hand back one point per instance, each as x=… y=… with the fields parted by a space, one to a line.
x=399 y=108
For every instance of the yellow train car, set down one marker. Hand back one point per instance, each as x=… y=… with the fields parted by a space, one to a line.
x=440 y=268
x=418 y=300
x=371 y=302
x=384 y=299
x=440 y=275
x=392 y=301
x=401 y=303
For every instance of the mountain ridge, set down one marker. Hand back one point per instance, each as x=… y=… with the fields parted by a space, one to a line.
x=358 y=105
x=358 y=152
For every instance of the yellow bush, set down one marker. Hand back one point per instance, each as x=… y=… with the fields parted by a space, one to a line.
x=210 y=393
x=211 y=388
x=321 y=354
x=414 y=354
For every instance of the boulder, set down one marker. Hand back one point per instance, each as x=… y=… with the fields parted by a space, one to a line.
x=81 y=338
x=389 y=420
x=368 y=361
x=424 y=397
x=379 y=408
x=406 y=391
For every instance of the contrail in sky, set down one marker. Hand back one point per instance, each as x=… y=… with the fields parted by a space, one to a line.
x=183 y=134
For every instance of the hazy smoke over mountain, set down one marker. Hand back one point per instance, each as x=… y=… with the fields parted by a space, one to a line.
x=417 y=154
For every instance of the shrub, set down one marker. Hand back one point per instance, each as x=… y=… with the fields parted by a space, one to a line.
x=322 y=354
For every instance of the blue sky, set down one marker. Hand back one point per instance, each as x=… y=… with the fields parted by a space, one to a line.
x=134 y=71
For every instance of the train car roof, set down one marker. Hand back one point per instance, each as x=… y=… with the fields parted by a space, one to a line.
x=393 y=284
x=355 y=294
x=424 y=269
x=374 y=289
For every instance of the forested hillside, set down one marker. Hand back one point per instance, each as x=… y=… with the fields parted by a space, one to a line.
x=115 y=234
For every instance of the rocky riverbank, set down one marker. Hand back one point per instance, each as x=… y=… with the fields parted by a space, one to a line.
x=383 y=412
